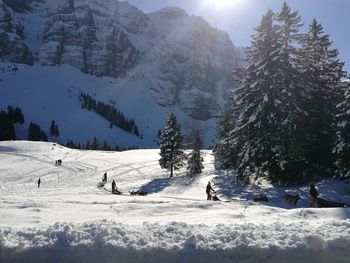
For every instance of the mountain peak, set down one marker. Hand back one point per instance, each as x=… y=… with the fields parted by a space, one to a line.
x=171 y=12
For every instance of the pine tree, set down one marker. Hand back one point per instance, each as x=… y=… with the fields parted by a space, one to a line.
x=54 y=129
x=224 y=151
x=342 y=148
x=35 y=133
x=291 y=133
x=259 y=105
x=172 y=156
x=322 y=72
x=195 y=159
x=95 y=144
x=18 y=116
x=7 y=129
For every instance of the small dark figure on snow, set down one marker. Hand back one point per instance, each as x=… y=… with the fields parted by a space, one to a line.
x=208 y=191
x=104 y=178
x=313 y=194
x=114 y=186
x=39 y=182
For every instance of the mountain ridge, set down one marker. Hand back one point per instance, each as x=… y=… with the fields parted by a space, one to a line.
x=176 y=60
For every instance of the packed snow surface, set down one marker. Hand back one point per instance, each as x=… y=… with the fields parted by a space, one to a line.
x=70 y=219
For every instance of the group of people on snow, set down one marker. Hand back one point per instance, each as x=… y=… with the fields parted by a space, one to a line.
x=211 y=193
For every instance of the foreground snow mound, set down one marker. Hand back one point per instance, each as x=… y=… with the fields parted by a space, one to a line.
x=107 y=241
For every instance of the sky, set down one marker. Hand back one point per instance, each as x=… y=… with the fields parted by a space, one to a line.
x=239 y=17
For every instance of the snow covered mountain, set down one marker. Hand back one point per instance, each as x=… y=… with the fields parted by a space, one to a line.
x=146 y=64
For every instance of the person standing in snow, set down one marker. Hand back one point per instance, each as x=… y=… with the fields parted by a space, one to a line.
x=313 y=194
x=113 y=187
x=208 y=189
x=39 y=182
x=104 y=179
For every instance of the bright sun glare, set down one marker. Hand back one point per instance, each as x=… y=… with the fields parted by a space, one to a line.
x=222 y=3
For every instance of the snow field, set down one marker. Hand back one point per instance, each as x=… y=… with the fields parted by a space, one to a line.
x=70 y=219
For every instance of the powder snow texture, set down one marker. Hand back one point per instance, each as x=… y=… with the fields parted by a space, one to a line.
x=105 y=241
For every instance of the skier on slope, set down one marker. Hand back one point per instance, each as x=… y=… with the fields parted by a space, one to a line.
x=39 y=182
x=208 y=189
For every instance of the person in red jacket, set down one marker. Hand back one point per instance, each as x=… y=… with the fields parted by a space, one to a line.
x=313 y=194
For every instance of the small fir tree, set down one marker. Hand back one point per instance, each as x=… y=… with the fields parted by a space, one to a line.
x=195 y=159
x=172 y=156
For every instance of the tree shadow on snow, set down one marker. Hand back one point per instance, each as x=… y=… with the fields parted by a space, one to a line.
x=330 y=190
x=7 y=149
x=158 y=185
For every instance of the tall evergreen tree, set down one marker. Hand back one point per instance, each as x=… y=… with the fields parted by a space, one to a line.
x=7 y=129
x=292 y=96
x=172 y=156
x=342 y=147
x=322 y=72
x=259 y=105
x=224 y=151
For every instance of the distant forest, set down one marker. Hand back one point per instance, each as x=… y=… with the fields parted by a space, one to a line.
x=110 y=113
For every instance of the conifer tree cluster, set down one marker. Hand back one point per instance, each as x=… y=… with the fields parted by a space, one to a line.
x=110 y=113
x=282 y=122
x=95 y=144
x=7 y=120
x=35 y=133
x=173 y=157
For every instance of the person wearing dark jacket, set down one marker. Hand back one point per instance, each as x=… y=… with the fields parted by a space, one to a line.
x=313 y=194
x=208 y=189
x=39 y=182
x=113 y=187
x=104 y=178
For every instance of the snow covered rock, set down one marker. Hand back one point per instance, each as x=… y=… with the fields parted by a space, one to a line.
x=12 y=38
x=70 y=38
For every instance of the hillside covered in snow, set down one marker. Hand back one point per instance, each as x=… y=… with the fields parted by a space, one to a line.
x=70 y=219
x=146 y=65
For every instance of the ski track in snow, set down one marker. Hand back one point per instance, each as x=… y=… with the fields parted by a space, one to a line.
x=70 y=219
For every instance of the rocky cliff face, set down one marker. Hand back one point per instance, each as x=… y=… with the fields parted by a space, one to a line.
x=70 y=37
x=12 y=38
x=180 y=59
x=196 y=62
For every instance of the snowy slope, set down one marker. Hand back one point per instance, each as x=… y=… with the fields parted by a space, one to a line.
x=150 y=64
x=45 y=94
x=70 y=219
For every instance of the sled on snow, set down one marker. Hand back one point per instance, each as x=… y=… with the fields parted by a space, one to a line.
x=326 y=203
x=101 y=184
x=215 y=198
